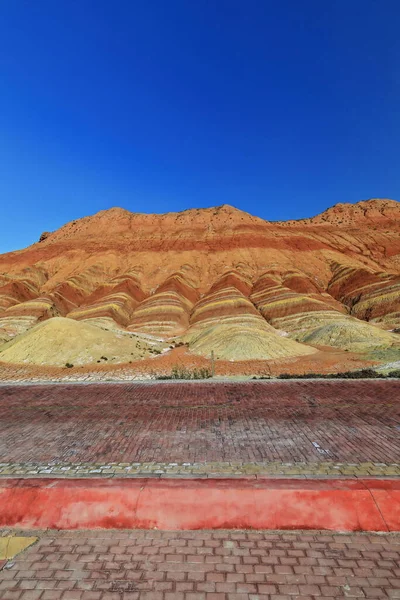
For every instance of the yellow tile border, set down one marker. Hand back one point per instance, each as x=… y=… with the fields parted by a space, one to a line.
x=11 y=545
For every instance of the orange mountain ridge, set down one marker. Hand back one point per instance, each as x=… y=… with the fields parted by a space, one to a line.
x=216 y=278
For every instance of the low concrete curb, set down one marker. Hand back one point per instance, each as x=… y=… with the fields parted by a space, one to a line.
x=176 y=504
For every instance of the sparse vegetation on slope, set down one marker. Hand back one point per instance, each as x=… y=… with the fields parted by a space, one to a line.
x=181 y=372
x=361 y=374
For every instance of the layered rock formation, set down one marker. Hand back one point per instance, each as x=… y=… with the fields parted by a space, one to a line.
x=314 y=317
x=217 y=279
x=226 y=322
x=114 y=300
x=369 y=295
x=166 y=312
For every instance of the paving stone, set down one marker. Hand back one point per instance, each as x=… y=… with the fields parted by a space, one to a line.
x=164 y=565
x=251 y=428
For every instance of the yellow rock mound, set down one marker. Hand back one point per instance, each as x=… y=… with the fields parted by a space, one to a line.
x=352 y=334
x=251 y=339
x=59 y=341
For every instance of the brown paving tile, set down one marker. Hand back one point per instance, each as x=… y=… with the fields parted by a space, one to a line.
x=146 y=577
x=292 y=421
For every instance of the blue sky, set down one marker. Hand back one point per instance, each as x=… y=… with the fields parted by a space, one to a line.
x=281 y=108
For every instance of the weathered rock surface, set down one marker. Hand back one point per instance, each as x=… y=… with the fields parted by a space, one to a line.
x=226 y=322
x=218 y=278
x=166 y=312
x=60 y=341
x=373 y=296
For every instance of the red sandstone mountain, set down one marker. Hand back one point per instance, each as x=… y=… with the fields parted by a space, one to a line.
x=379 y=211
x=176 y=274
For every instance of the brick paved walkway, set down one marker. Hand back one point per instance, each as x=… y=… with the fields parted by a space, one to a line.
x=304 y=422
x=204 y=565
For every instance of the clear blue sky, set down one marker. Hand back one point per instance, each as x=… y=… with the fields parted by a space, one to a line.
x=281 y=108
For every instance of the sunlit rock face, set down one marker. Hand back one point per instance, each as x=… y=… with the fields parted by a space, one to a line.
x=289 y=310
x=116 y=299
x=373 y=296
x=226 y=322
x=227 y=298
x=315 y=317
x=216 y=278
x=166 y=312
x=14 y=291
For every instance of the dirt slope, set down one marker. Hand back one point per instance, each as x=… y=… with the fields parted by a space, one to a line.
x=59 y=341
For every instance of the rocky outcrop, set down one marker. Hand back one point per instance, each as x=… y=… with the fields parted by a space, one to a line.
x=376 y=211
x=282 y=305
x=116 y=299
x=227 y=323
x=372 y=296
x=44 y=236
x=313 y=318
x=166 y=312
x=215 y=277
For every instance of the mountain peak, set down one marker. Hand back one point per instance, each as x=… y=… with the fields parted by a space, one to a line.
x=377 y=210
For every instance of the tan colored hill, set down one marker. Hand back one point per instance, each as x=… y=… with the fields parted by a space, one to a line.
x=59 y=341
x=351 y=334
x=249 y=339
x=217 y=279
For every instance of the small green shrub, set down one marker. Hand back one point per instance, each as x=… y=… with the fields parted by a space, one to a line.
x=362 y=374
x=179 y=372
x=69 y=365
x=395 y=373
